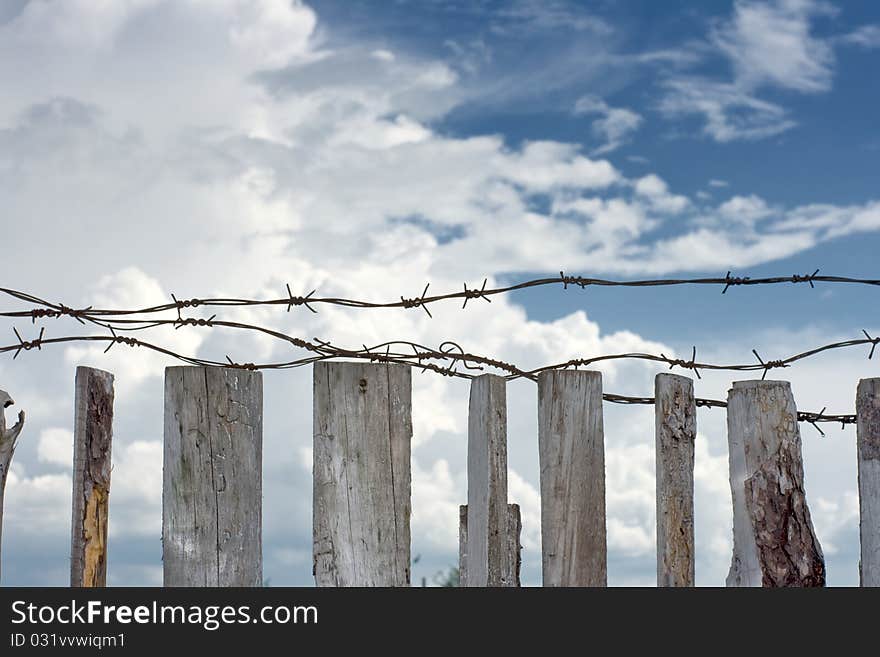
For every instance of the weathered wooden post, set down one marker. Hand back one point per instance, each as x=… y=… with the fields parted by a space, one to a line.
x=513 y=551
x=773 y=539
x=675 y=415
x=92 y=437
x=362 y=482
x=487 y=521
x=212 y=480
x=868 y=448
x=8 y=443
x=572 y=456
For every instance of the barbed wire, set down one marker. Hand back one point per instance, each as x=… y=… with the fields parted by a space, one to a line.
x=309 y=301
x=444 y=360
x=422 y=356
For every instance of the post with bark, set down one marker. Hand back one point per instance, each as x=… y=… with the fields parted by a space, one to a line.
x=212 y=479
x=362 y=484
x=488 y=534
x=774 y=543
x=676 y=428
x=92 y=438
x=8 y=443
x=512 y=553
x=868 y=448
x=572 y=458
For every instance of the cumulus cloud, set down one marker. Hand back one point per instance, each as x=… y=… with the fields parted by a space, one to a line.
x=265 y=157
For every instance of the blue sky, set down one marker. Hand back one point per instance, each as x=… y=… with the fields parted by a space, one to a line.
x=233 y=146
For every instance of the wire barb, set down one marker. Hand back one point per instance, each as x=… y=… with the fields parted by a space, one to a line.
x=809 y=278
x=418 y=301
x=734 y=280
x=25 y=345
x=474 y=294
x=299 y=301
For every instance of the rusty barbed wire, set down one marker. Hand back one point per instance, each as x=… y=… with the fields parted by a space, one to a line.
x=422 y=357
x=444 y=360
x=309 y=301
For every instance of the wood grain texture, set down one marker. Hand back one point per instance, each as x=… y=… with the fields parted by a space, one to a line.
x=362 y=481
x=571 y=448
x=92 y=447
x=511 y=577
x=487 y=483
x=675 y=413
x=212 y=480
x=8 y=443
x=774 y=543
x=868 y=449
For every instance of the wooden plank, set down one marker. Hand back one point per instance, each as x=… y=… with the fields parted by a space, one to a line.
x=487 y=483
x=572 y=457
x=92 y=446
x=676 y=428
x=774 y=543
x=212 y=486
x=8 y=443
x=868 y=448
x=362 y=480
x=513 y=552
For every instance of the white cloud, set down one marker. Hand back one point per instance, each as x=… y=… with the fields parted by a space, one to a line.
x=866 y=36
x=767 y=45
x=656 y=191
x=730 y=112
x=745 y=209
x=55 y=446
x=615 y=125
x=772 y=44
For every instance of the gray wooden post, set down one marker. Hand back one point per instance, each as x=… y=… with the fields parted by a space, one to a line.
x=868 y=448
x=362 y=484
x=212 y=480
x=773 y=539
x=8 y=443
x=92 y=441
x=675 y=415
x=572 y=457
x=513 y=552
x=488 y=540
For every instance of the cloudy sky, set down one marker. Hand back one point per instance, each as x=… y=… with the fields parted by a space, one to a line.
x=365 y=148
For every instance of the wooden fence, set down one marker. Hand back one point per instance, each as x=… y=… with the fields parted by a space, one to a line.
x=212 y=487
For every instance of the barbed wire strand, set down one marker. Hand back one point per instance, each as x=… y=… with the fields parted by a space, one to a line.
x=421 y=358
x=309 y=301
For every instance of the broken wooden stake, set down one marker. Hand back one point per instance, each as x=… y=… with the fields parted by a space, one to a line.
x=92 y=437
x=774 y=543
x=8 y=443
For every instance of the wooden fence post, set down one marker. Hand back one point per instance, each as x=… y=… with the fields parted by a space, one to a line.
x=513 y=551
x=572 y=458
x=675 y=415
x=773 y=539
x=212 y=479
x=868 y=448
x=8 y=443
x=362 y=481
x=92 y=442
x=488 y=563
